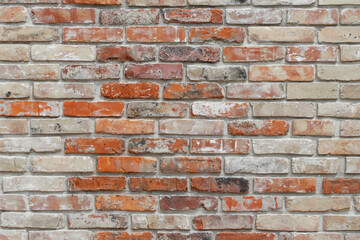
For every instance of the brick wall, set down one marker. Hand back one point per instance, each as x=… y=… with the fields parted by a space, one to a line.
x=180 y=119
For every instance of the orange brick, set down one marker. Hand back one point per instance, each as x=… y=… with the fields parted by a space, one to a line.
x=192 y=91
x=63 y=15
x=123 y=236
x=96 y=183
x=284 y=185
x=190 y=165
x=158 y=145
x=94 y=145
x=223 y=34
x=253 y=54
x=126 y=164
x=124 y=126
x=341 y=185
x=95 y=2
x=29 y=109
x=158 y=184
x=93 y=109
x=143 y=90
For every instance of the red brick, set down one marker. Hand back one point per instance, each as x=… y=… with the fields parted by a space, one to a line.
x=301 y=73
x=311 y=54
x=13 y=14
x=96 y=183
x=143 y=90
x=245 y=236
x=123 y=236
x=192 y=91
x=94 y=145
x=193 y=16
x=313 y=16
x=219 y=146
x=126 y=164
x=124 y=126
x=93 y=109
x=190 y=165
x=219 y=109
x=29 y=109
x=223 y=34
x=126 y=53
x=258 y=128
x=63 y=15
x=158 y=145
x=185 y=236
x=350 y=16
x=60 y=202
x=158 y=184
x=251 y=204
x=95 y=2
x=160 y=71
x=189 y=54
x=92 y=34
x=341 y=185
x=156 y=34
x=219 y=184
x=141 y=203
x=186 y=203
x=284 y=185
x=253 y=54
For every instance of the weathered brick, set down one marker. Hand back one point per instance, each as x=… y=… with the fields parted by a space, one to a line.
x=315 y=165
x=303 y=127
x=222 y=222
x=357 y=203
x=312 y=16
x=101 y=220
x=339 y=110
x=350 y=54
x=58 y=52
x=339 y=146
x=91 y=72
x=14 y=52
x=317 y=204
x=350 y=16
x=92 y=34
x=349 y=91
x=162 y=71
x=60 y=202
x=186 y=203
x=283 y=2
x=185 y=236
x=221 y=74
x=245 y=236
x=27 y=145
x=281 y=34
x=156 y=34
x=253 y=54
x=310 y=236
x=123 y=235
x=219 y=184
x=350 y=128
x=251 y=204
x=11 y=90
x=284 y=185
x=40 y=235
x=341 y=223
x=14 y=234
x=341 y=185
x=190 y=165
x=30 y=1
x=32 y=220
x=64 y=164
x=255 y=91
x=98 y=145
x=160 y=221
x=312 y=91
x=158 y=184
x=13 y=126
x=338 y=72
x=124 y=126
x=136 y=53
x=60 y=126
x=63 y=15
x=298 y=73
x=258 y=128
x=189 y=54
x=222 y=34
x=254 y=16
x=287 y=222
x=33 y=184
x=288 y=109
x=217 y=2
x=254 y=165
x=37 y=72
x=12 y=203
x=219 y=109
x=339 y=35
x=64 y=90
x=352 y=165
x=191 y=127
x=190 y=91
x=29 y=109
x=129 y=16
x=193 y=16
x=284 y=146
x=93 y=109
x=157 y=3
x=338 y=2
x=12 y=164
x=143 y=203
x=76 y=184
x=28 y=34
x=158 y=145
x=352 y=236
x=311 y=54
x=219 y=146
x=143 y=90
x=156 y=109
x=126 y=164
x=95 y=2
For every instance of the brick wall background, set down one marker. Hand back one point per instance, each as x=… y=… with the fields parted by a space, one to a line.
x=180 y=119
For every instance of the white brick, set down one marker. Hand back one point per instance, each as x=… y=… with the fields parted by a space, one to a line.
x=32 y=220
x=268 y=165
x=34 y=184
x=55 y=164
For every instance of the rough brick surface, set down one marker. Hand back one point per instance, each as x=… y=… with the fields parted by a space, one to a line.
x=179 y=119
